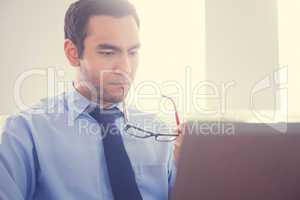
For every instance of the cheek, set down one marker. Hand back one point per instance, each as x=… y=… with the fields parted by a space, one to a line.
x=135 y=61
x=95 y=61
x=95 y=64
x=134 y=65
x=97 y=68
x=133 y=72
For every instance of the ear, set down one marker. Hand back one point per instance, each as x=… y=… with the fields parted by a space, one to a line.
x=71 y=53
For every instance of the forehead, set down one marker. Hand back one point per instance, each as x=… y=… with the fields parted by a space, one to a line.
x=121 y=31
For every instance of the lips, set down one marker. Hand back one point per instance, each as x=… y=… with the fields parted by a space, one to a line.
x=119 y=82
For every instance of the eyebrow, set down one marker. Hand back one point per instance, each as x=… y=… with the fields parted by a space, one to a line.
x=106 y=46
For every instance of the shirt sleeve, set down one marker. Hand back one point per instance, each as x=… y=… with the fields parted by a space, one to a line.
x=17 y=163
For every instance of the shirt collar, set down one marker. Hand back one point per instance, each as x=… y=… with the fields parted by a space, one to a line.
x=78 y=104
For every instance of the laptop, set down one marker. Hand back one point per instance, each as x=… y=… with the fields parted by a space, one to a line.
x=252 y=162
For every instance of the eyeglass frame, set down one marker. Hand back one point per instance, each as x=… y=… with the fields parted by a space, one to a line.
x=150 y=133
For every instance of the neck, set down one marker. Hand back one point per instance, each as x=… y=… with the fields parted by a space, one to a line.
x=86 y=92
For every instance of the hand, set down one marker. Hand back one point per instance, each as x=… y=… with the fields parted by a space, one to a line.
x=178 y=142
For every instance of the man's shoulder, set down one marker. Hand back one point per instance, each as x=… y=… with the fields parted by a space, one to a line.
x=47 y=105
x=42 y=109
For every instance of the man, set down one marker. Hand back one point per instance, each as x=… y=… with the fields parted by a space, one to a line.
x=54 y=150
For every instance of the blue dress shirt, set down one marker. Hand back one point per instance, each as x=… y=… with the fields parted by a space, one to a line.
x=53 y=151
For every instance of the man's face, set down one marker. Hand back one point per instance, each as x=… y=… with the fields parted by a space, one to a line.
x=110 y=56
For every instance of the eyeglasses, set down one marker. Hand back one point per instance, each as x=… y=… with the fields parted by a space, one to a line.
x=139 y=132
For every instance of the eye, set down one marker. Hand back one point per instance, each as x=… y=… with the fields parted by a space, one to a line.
x=133 y=53
x=107 y=53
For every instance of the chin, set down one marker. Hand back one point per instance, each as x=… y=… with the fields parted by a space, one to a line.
x=115 y=97
x=115 y=93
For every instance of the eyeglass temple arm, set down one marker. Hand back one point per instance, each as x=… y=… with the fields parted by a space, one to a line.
x=174 y=105
x=176 y=113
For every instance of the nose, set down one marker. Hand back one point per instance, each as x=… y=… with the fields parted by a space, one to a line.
x=124 y=64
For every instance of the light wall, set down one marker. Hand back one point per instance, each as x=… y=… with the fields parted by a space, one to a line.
x=289 y=51
x=242 y=49
x=31 y=38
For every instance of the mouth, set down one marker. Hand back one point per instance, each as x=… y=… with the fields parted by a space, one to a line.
x=119 y=83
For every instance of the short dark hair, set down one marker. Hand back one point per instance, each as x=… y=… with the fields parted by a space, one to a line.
x=79 y=13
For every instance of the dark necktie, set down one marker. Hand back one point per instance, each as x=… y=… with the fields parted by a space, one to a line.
x=120 y=171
